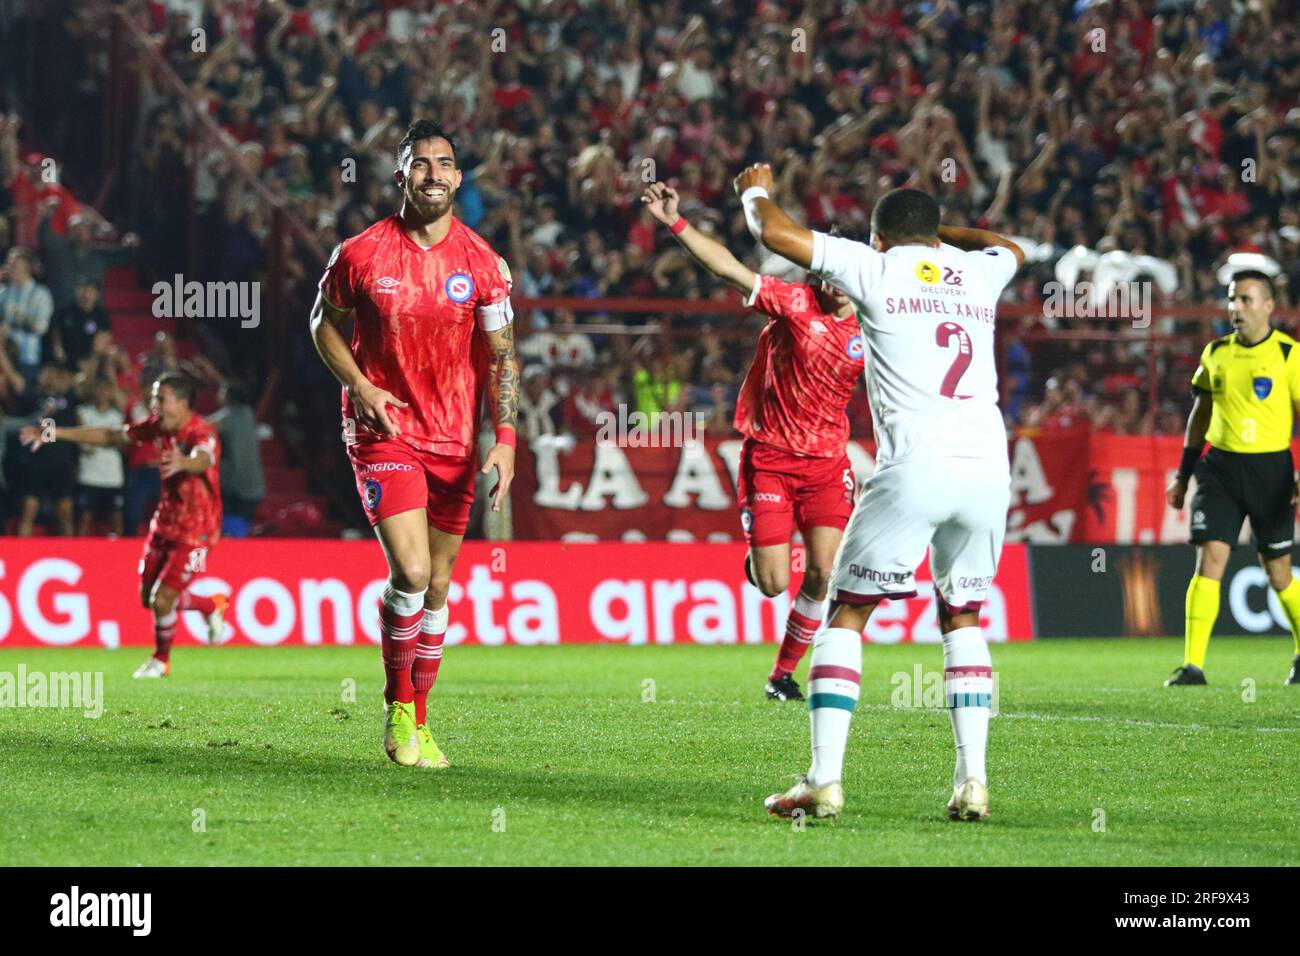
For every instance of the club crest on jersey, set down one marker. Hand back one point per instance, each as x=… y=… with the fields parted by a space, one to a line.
x=1263 y=386
x=374 y=491
x=855 y=348
x=927 y=272
x=459 y=287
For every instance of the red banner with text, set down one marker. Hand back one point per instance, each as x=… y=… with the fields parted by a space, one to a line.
x=60 y=592
x=1068 y=486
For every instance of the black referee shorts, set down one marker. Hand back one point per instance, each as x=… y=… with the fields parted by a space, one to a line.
x=1231 y=486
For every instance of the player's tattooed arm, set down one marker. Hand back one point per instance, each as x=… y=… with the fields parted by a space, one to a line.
x=769 y=223
x=503 y=386
x=503 y=376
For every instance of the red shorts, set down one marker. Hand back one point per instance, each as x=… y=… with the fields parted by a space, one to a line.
x=393 y=477
x=170 y=563
x=778 y=489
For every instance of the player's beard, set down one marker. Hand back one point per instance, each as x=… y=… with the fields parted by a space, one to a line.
x=431 y=210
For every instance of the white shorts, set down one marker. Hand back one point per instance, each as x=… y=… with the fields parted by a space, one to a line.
x=957 y=507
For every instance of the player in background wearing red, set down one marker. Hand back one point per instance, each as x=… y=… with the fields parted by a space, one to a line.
x=791 y=410
x=433 y=329
x=187 y=522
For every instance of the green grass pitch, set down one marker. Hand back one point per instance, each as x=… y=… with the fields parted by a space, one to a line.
x=559 y=758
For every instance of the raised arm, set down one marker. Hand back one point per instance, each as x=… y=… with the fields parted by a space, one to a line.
x=768 y=223
x=661 y=200
x=967 y=238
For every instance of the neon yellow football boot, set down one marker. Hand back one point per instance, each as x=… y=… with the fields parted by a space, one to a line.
x=400 y=740
x=430 y=756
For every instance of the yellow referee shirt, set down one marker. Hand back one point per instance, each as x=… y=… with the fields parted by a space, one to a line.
x=1253 y=387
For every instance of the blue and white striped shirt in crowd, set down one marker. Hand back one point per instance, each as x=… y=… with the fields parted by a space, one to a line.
x=25 y=317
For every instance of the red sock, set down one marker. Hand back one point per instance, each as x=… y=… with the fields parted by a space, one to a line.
x=192 y=602
x=164 y=632
x=399 y=623
x=800 y=626
x=428 y=656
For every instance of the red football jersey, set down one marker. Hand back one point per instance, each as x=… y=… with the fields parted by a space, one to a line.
x=189 y=508
x=414 y=333
x=803 y=375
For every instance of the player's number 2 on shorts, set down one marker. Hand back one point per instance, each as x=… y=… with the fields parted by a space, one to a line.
x=943 y=335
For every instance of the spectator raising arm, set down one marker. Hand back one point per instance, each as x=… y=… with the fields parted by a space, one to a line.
x=35 y=437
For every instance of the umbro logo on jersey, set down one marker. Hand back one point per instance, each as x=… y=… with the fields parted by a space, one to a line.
x=818 y=326
x=387 y=285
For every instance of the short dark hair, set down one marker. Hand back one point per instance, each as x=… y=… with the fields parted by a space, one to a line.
x=418 y=130
x=182 y=385
x=1263 y=277
x=905 y=215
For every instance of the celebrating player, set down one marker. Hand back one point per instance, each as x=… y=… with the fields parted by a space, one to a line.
x=793 y=468
x=1247 y=390
x=942 y=478
x=187 y=522
x=418 y=283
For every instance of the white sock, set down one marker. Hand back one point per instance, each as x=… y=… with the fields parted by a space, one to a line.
x=832 y=694
x=402 y=602
x=968 y=691
x=809 y=607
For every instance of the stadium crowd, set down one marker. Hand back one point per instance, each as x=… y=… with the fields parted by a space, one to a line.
x=1163 y=128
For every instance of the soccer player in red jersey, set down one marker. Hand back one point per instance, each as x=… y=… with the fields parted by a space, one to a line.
x=433 y=329
x=187 y=521
x=791 y=410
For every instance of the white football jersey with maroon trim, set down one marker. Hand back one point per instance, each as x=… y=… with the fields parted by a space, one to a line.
x=927 y=315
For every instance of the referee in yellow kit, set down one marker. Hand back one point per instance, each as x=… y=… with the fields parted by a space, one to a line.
x=1247 y=390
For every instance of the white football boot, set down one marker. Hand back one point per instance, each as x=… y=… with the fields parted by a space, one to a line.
x=820 y=802
x=152 y=668
x=970 y=801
